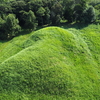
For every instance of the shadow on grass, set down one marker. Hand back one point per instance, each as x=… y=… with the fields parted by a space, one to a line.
x=64 y=25
x=28 y=31
x=25 y=31
x=22 y=32
x=73 y=25
x=3 y=41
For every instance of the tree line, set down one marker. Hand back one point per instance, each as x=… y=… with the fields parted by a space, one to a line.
x=28 y=14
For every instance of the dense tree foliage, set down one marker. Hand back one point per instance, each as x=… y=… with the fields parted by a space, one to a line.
x=31 y=13
x=11 y=26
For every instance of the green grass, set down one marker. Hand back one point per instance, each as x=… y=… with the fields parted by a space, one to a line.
x=51 y=64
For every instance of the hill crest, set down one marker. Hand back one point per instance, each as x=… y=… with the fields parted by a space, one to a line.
x=54 y=62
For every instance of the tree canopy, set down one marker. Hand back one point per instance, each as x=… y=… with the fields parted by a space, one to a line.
x=31 y=13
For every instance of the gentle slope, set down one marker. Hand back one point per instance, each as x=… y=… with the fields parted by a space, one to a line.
x=52 y=64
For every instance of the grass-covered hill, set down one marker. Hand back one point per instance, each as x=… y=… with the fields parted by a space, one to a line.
x=51 y=64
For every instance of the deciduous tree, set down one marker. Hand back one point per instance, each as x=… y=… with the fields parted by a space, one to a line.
x=12 y=26
x=30 y=21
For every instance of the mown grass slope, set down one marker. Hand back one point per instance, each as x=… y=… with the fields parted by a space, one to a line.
x=51 y=64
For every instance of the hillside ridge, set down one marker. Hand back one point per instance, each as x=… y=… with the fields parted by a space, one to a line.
x=55 y=64
x=34 y=38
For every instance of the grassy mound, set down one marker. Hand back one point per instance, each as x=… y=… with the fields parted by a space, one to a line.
x=51 y=64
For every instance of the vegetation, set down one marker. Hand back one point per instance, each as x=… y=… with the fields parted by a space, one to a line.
x=32 y=13
x=51 y=64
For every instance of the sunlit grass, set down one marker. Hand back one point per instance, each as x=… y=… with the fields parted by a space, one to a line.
x=51 y=64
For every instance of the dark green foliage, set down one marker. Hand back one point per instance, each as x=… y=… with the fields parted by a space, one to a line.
x=2 y=29
x=49 y=12
x=18 y=6
x=58 y=19
x=30 y=20
x=5 y=9
x=78 y=11
x=97 y=9
x=56 y=13
x=68 y=10
x=12 y=27
x=47 y=16
x=40 y=13
x=89 y=15
x=97 y=6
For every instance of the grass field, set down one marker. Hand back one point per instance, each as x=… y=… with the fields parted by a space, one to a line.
x=51 y=64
